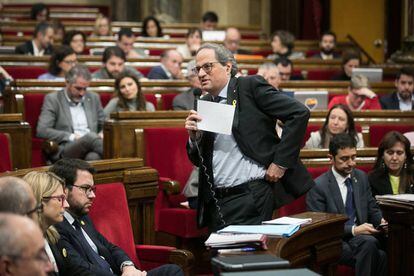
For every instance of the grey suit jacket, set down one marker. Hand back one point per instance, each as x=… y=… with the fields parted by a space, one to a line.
x=184 y=101
x=326 y=197
x=55 y=120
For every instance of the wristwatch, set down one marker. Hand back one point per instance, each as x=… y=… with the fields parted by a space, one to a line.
x=126 y=263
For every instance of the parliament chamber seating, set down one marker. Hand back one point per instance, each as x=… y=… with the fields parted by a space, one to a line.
x=111 y=217
x=5 y=156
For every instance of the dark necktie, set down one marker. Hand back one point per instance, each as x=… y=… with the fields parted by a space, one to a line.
x=89 y=251
x=217 y=99
x=349 y=202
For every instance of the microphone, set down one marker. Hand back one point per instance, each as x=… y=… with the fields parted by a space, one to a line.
x=197 y=93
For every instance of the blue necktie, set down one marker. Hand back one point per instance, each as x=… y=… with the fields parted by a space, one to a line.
x=90 y=252
x=349 y=202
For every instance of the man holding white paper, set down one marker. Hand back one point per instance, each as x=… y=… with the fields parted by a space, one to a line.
x=240 y=173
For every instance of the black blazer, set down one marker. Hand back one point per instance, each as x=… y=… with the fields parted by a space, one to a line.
x=258 y=105
x=27 y=49
x=381 y=185
x=77 y=261
x=390 y=101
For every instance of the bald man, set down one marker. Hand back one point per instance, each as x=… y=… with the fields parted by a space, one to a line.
x=170 y=67
x=270 y=73
x=22 y=247
x=17 y=197
x=232 y=42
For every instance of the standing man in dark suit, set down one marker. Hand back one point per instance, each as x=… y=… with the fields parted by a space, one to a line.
x=345 y=190
x=170 y=68
x=73 y=117
x=240 y=173
x=41 y=44
x=403 y=98
x=82 y=246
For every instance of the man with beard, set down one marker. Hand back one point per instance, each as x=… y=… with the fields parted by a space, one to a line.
x=345 y=190
x=403 y=98
x=113 y=60
x=41 y=44
x=73 y=117
x=327 y=46
x=80 y=243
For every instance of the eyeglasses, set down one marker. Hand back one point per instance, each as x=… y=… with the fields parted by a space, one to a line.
x=87 y=189
x=60 y=198
x=70 y=62
x=207 y=67
x=38 y=208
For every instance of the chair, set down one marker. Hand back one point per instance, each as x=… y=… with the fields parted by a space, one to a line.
x=111 y=217
x=5 y=156
x=377 y=132
x=165 y=150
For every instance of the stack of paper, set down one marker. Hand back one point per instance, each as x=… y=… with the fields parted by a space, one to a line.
x=288 y=221
x=404 y=199
x=235 y=241
x=265 y=229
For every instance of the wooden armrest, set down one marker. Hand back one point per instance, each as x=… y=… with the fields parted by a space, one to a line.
x=50 y=148
x=184 y=259
x=171 y=187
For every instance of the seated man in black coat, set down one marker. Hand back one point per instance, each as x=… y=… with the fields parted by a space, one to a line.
x=327 y=46
x=82 y=246
x=403 y=98
x=170 y=68
x=345 y=190
x=41 y=44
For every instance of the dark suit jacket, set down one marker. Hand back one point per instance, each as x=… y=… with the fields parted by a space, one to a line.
x=78 y=260
x=27 y=49
x=390 y=101
x=381 y=185
x=325 y=196
x=258 y=105
x=319 y=55
x=157 y=73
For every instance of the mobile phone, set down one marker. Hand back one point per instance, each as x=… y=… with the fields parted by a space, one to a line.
x=381 y=226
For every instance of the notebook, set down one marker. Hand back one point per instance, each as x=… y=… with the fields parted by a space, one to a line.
x=249 y=262
x=313 y=99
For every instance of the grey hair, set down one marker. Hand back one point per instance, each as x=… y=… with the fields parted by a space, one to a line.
x=223 y=55
x=15 y=195
x=10 y=234
x=79 y=70
x=267 y=66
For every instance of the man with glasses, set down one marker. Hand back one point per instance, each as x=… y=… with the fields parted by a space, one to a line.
x=17 y=197
x=73 y=118
x=22 y=247
x=81 y=244
x=359 y=97
x=240 y=173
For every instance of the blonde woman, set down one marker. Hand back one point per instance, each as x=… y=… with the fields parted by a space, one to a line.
x=102 y=27
x=49 y=190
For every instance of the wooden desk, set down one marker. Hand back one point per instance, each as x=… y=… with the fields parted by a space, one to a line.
x=400 y=237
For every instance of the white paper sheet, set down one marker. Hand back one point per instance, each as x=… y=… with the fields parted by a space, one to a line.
x=216 y=117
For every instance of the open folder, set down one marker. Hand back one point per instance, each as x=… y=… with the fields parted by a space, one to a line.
x=271 y=230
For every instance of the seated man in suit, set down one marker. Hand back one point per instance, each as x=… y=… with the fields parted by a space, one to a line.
x=270 y=73
x=41 y=44
x=403 y=98
x=232 y=42
x=126 y=39
x=170 y=67
x=113 y=60
x=73 y=117
x=22 y=247
x=345 y=190
x=185 y=100
x=209 y=21
x=327 y=47
x=81 y=244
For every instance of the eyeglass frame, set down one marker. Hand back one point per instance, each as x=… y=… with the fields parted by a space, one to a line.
x=207 y=67
x=60 y=198
x=86 y=190
x=38 y=208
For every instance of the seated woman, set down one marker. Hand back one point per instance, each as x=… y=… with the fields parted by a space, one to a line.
x=77 y=41
x=60 y=62
x=283 y=43
x=102 y=27
x=338 y=120
x=192 y=43
x=151 y=27
x=393 y=172
x=128 y=96
x=350 y=59
x=49 y=191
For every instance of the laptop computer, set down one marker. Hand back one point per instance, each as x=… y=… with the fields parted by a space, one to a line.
x=373 y=74
x=314 y=100
x=248 y=262
x=214 y=35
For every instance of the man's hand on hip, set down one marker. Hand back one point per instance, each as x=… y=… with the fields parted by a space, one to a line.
x=274 y=173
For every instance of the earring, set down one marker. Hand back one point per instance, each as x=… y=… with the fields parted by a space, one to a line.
x=382 y=164
x=405 y=165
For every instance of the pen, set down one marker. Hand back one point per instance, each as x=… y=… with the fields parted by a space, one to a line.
x=236 y=250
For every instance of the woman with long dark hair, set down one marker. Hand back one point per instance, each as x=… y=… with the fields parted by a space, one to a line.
x=393 y=172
